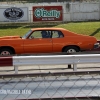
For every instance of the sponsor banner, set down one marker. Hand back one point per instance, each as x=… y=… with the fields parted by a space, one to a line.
x=47 y=13
x=14 y=14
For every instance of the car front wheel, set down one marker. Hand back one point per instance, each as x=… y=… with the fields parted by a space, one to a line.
x=5 y=51
x=71 y=49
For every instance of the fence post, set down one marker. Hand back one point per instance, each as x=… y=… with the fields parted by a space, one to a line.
x=74 y=67
x=16 y=69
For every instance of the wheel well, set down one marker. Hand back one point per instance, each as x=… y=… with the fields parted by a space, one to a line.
x=70 y=46
x=8 y=47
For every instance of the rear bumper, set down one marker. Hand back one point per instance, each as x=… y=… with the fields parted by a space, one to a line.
x=96 y=45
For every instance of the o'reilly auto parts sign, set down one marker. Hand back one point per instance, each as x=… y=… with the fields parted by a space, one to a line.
x=47 y=13
x=14 y=14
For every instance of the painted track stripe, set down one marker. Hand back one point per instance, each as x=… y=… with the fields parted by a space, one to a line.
x=6 y=61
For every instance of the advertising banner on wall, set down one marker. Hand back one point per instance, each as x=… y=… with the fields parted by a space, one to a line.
x=47 y=13
x=14 y=14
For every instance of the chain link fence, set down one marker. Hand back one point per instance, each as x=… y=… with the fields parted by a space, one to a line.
x=51 y=86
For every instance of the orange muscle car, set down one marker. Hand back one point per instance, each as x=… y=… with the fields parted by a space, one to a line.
x=46 y=40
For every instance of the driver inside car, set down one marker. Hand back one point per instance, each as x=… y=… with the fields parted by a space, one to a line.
x=44 y=34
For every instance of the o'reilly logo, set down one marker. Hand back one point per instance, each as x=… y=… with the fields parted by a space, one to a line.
x=41 y=12
x=13 y=13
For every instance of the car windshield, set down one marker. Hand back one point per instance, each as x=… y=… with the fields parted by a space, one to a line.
x=27 y=34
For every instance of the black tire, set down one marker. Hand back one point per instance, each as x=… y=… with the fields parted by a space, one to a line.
x=71 y=49
x=5 y=51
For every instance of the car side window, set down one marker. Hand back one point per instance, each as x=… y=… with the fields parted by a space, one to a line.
x=57 y=34
x=35 y=34
x=40 y=34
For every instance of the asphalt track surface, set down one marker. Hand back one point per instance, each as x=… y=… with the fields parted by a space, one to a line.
x=49 y=68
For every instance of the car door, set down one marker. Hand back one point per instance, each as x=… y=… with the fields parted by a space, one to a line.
x=36 y=43
x=58 y=40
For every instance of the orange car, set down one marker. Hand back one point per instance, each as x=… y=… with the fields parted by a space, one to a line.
x=46 y=40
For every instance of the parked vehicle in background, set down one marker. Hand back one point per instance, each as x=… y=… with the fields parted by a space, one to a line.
x=47 y=40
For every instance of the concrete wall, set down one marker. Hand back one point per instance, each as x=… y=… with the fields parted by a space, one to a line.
x=72 y=11
x=85 y=11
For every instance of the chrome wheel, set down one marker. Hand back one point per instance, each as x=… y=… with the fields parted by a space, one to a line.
x=5 y=53
x=71 y=51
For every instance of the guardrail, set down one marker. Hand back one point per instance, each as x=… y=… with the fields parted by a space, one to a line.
x=49 y=60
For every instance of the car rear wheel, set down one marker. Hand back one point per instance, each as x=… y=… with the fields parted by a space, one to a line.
x=71 y=49
x=5 y=51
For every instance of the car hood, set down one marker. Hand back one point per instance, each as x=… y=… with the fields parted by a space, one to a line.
x=10 y=37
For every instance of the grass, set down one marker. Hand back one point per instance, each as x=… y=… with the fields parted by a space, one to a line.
x=86 y=28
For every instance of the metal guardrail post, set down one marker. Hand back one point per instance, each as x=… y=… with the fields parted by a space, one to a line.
x=74 y=67
x=16 y=69
x=69 y=66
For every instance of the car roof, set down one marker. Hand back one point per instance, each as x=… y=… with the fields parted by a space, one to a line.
x=55 y=28
x=48 y=28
